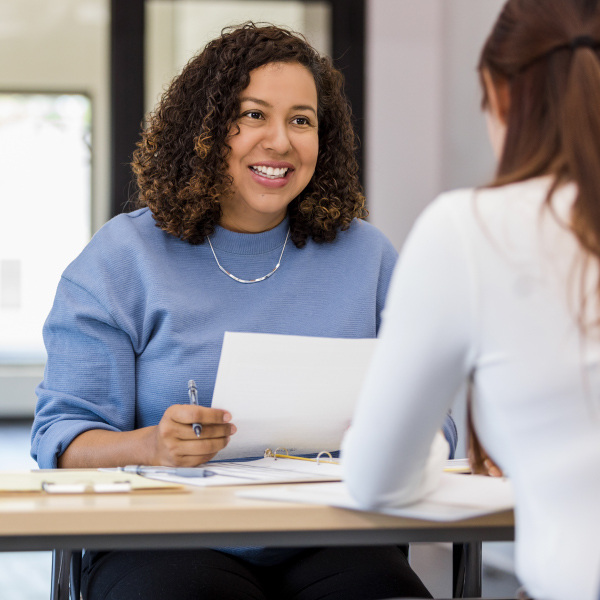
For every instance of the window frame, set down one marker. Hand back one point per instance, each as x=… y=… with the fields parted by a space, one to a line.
x=127 y=57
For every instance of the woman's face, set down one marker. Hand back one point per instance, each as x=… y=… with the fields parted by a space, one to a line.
x=274 y=155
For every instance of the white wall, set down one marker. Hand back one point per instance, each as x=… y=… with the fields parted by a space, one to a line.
x=425 y=133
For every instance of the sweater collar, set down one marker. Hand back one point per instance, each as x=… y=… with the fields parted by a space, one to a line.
x=250 y=243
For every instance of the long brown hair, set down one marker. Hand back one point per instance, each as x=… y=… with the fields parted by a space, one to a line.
x=181 y=160
x=547 y=53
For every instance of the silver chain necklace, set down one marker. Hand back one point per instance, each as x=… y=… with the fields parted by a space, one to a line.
x=249 y=280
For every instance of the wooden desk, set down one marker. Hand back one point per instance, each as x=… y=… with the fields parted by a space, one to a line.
x=212 y=517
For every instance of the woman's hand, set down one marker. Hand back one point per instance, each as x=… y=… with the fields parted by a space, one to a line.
x=492 y=469
x=482 y=464
x=176 y=444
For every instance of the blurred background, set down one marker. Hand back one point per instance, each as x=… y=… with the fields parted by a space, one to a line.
x=77 y=78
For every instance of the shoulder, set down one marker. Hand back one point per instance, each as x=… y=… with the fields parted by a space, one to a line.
x=361 y=234
x=447 y=204
x=118 y=247
x=125 y=232
x=441 y=228
x=138 y=223
x=497 y=212
x=518 y=196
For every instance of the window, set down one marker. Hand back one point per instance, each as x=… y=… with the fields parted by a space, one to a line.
x=45 y=186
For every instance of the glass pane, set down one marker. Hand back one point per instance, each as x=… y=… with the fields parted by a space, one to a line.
x=176 y=31
x=54 y=68
x=45 y=158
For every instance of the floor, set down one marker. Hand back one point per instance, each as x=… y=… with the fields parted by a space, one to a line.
x=23 y=575
x=26 y=575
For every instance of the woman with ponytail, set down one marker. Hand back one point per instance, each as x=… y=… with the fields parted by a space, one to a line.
x=498 y=291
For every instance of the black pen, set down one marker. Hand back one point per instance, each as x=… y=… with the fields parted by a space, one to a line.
x=193 y=394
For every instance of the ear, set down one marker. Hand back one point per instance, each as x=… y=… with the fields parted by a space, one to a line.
x=498 y=94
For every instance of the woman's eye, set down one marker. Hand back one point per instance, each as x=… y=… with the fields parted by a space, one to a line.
x=253 y=114
x=301 y=121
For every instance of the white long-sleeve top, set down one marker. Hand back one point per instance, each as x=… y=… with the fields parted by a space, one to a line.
x=489 y=284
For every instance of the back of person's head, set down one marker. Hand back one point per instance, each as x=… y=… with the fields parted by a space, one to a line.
x=181 y=161
x=546 y=52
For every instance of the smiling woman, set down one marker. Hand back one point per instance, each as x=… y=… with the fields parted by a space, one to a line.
x=185 y=163
x=251 y=150
x=274 y=146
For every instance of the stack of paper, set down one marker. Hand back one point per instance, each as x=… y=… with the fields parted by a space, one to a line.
x=458 y=497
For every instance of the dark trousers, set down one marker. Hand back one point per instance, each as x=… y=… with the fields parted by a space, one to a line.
x=344 y=573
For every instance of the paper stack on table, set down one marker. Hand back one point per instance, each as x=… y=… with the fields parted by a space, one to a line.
x=458 y=497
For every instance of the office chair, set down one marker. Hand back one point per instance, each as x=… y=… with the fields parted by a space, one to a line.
x=66 y=575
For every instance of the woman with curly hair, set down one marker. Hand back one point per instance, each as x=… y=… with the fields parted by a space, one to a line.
x=250 y=219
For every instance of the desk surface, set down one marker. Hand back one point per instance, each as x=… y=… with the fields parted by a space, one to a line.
x=212 y=517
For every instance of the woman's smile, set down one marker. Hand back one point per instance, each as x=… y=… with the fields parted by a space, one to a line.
x=272 y=174
x=274 y=146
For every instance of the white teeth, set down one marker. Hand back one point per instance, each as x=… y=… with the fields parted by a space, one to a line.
x=270 y=172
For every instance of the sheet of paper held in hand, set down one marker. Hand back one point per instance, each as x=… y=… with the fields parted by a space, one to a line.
x=290 y=392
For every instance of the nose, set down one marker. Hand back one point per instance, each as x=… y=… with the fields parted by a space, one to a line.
x=277 y=138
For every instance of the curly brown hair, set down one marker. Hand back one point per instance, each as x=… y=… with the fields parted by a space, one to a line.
x=181 y=161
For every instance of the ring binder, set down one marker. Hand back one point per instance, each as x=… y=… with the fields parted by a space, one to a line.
x=328 y=454
x=285 y=454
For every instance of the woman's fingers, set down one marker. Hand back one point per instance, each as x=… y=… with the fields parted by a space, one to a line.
x=492 y=469
x=179 y=419
x=209 y=431
x=196 y=452
x=190 y=450
x=176 y=442
x=188 y=414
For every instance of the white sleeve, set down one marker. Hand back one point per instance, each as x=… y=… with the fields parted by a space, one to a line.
x=389 y=455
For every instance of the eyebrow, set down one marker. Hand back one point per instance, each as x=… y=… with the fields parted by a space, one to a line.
x=263 y=103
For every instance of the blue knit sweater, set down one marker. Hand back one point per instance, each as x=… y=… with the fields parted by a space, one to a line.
x=140 y=312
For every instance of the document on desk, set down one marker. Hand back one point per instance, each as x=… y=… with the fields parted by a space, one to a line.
x=290 y=392
x=260 y=471
x=457 y=497
x=269 y=470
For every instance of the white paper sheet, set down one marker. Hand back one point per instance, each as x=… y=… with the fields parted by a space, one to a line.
x=254 y=472
x=457 y=497
x=268 y=470
x=289 y=392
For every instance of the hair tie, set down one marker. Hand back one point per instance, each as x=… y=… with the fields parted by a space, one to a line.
x=583 y=41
